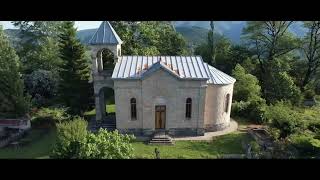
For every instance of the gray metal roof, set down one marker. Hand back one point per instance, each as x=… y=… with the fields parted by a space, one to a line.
x=183 y=67
x=105 y=35
x=218 y=77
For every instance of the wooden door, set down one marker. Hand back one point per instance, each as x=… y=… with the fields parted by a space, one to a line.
x=160 y=119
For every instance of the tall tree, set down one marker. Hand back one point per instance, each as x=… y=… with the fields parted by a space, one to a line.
x=75 y=90
x=311 y=50
x=269 y=42
x=13 y=102
x=38 y=48
x=150 y=38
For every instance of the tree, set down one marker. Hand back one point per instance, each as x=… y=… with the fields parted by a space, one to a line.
x=38 y=47
x=75 y=91
x=150 y=38
x=42 y=85
x=311 y=50
x=269 y=40
x=247 y=86
x=13 y=102
x=222 y=46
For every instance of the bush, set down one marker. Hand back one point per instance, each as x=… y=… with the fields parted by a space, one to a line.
x=314 y=126
x=309 y=94
x=74 y=141
x=42 y=86
x=49 y=116
x=107 y=145
x=253 y=110
x=247 y=86
x=282 y=117
x=306 y=144
x=71 y=136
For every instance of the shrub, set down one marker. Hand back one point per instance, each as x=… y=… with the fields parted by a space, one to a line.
x=309 y=94
x=239 y=108
x=314 y=126
x=282 y=117
x=306 y=144
x=74 y=141
x=107 y=145
x=42 y=86
x=71 y=136
x=49 y=116
x=253 y=110
x=247 y=86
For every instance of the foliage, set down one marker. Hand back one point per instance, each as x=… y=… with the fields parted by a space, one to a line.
x=75 y=91
x=150 y=38
x=13 y=102
x=310 y=49
x=42 y=85
x=309 y=94
x=107 y=145
x=70 y=136
x=283 y=88
x=247 y=86
x=38 y=48
x=49 y=116
x=253 y=110
x=270 y=43
x=75 y=141
x=306 y=144
x=283 y=117
x=248 y=102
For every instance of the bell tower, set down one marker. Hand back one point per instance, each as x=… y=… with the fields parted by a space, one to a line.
x=105 y=38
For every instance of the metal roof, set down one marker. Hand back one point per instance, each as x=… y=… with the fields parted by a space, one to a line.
x=183 y=67
x=105 y=35
x=218 y=77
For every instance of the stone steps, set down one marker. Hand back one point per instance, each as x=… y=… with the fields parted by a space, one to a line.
x=161 y=139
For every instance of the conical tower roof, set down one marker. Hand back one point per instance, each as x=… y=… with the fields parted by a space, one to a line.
x=105 y=35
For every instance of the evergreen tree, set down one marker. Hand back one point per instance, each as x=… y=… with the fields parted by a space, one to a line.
x=75 y=89
x=12 y=100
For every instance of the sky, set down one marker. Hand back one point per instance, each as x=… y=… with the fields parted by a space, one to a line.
x=79 y=24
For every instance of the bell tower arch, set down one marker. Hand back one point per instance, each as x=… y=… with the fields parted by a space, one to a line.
x=104 y=40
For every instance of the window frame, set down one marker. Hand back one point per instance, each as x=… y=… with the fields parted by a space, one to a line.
x=188 y=112
x=133 y=109
x=227 y=103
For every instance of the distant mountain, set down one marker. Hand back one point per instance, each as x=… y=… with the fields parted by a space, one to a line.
x=85 y=35
x=195 y=32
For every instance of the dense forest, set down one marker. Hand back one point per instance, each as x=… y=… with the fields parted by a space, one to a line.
x=277 y=72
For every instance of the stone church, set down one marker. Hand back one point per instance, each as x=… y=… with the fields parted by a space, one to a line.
x=181 y=95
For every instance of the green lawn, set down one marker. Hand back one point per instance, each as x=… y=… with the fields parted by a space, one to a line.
x=39 y=147
x=226 y=144
x=109 y=108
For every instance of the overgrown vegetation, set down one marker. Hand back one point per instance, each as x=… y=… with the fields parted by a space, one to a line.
x=76 y=142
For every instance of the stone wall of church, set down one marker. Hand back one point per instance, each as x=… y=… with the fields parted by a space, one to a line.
x=216 y=117
x=160 y=88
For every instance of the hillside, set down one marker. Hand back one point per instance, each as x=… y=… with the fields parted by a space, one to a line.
x=195 y=32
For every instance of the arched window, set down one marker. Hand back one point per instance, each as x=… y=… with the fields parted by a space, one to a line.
x=188 y=108
x=227 y=103
x=133 y=108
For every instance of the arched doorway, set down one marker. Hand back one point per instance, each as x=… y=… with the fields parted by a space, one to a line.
x=107 y=103
x=107 y=61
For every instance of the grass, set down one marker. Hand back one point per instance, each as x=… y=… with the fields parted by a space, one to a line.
x=39 y=146
x=226 y=144
x=109 y=108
